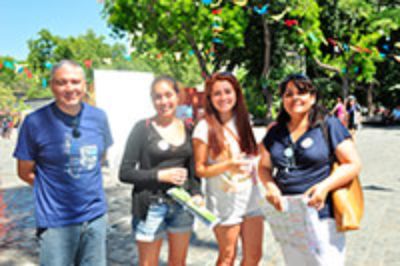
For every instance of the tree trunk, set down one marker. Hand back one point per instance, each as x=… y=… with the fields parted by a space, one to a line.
x=200 y=58
x=370 y=100
x=345 y=86
x=266 y=68
x=345 y=76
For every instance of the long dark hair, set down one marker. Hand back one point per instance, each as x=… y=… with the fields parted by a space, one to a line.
x=303 y=84
x=215 y=130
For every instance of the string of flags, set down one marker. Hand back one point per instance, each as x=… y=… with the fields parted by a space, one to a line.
x=22 y=69
x=338 y=46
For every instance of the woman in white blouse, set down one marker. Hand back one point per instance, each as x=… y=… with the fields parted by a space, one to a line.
x=225 y=152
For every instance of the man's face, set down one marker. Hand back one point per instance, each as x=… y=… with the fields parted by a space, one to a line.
x=68 y=86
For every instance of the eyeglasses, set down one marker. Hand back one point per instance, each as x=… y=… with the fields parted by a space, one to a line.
x=289 y=154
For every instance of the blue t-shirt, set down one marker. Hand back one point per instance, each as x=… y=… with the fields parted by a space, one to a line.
x=306 y=162
x=68 y=186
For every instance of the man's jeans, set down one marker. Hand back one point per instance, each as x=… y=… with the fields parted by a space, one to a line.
x=81 y=244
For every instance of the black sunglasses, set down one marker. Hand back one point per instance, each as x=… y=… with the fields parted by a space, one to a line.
x=294 y=78
x=226 y=74
x=76 y=133
x=297 y=76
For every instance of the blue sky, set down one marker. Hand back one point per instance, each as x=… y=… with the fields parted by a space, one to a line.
x=21 y=20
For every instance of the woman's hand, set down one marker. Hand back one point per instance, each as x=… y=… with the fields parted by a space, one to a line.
x=317 y=195
x=240 y=164
x=274 y=195
x=198 y=200
x=176 y=175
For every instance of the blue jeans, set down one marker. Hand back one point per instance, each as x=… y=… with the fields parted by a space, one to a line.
x=162 y=218
x=81 y=244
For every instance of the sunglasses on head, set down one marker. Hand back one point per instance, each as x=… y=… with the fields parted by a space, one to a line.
x=226 y=74
x=302 y=78
x=297 y=76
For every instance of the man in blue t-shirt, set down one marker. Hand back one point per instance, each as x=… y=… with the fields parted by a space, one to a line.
x=59 y=151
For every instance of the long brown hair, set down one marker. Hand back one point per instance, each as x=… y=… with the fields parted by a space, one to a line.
x=247 y=142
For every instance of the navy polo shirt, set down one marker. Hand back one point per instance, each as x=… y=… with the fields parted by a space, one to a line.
x=306 y=162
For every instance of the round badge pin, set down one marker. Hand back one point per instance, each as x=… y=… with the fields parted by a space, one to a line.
x=288 y=152
x=163 y=145
x=307 y=143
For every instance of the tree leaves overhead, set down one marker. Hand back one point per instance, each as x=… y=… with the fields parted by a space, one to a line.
x=176 y=26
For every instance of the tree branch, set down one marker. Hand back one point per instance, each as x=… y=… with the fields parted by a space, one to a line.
x=193 y=44
x=326 y=66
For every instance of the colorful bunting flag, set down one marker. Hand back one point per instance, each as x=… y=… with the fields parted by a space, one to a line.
x=312 y=37
x=217 y=20
x=299 y=30
x=217 y=40
x=217 y=4
x=385 y=47
x=48 y=65
x=207 y=2
x=291 y=22
x=9 y=65
x=88 y=63
x=217 y=11
x=28 y=73
x=240 y=2
x=332 y=41
x=261 y=11
x=218 y=29
x=336 y=49
x=278 y=17
x=44 y=83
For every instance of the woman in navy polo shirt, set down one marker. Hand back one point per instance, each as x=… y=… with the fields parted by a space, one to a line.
x=297 y=149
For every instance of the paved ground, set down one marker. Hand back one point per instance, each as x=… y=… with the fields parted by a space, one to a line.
x=376 y=244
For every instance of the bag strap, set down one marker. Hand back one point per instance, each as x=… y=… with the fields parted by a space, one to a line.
x=327 y=137
x=232 y=134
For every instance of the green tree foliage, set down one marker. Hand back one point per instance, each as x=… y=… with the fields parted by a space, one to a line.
x=7 y=98
x=181 y=26
x=14 y=83
x=262 y=44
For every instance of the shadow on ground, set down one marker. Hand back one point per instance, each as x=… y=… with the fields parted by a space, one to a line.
x=378 y=188
x=17 y=228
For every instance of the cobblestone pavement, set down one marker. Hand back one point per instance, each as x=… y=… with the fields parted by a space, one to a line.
x=376 y=244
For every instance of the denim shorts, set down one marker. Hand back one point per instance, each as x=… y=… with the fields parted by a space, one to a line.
x=160 y=219
x=232 y=220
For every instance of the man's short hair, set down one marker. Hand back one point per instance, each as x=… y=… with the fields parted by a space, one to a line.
x=66 y=62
